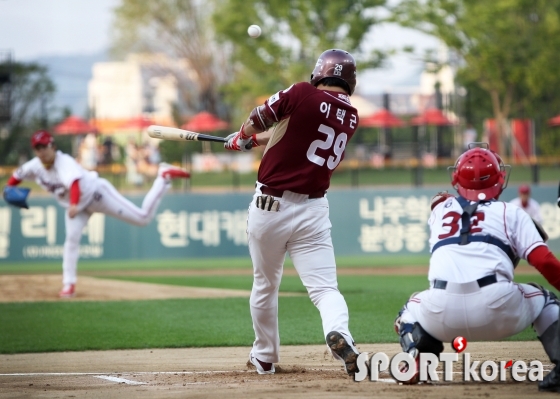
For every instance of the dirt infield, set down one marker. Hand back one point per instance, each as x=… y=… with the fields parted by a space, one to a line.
x=303 y=372
x=45 y=287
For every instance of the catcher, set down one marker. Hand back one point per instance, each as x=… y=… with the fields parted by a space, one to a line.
x=476 y=242
x=82 y=193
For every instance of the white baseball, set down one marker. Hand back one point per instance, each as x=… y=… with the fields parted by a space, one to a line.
x=254 y=31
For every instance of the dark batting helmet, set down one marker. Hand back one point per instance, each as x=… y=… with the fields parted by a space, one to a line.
x=479 y=174
x=338 y=64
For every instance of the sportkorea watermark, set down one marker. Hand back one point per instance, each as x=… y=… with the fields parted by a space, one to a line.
x=487 y=371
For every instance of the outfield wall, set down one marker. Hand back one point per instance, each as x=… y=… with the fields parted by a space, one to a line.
x=365 y=222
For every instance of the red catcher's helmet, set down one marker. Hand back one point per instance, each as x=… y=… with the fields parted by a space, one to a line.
x=479 y=174
x=41 y=137
x=335 y=64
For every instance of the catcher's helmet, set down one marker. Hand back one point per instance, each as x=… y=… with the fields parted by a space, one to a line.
x=335 y=64
x=479 y=174
x=41 y=137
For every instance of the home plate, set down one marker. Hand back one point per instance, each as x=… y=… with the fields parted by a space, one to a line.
x=116 y=379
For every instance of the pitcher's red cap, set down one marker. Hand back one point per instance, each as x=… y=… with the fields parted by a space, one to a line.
x=41 y=137
x=524 y=189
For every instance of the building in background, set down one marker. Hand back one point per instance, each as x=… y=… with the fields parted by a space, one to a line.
x=140 y=85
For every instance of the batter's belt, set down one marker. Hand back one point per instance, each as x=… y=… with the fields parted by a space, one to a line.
x=279 y=193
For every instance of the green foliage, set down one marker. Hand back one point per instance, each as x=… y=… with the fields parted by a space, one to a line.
x=294 y=34
x=508 y=48
x=180 y=30
x=31 y=86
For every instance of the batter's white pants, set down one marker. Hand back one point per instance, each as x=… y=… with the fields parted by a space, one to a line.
x=301 y=227
x=493 y=312
x=109 y=201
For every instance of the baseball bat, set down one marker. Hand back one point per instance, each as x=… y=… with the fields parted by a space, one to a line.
x=172 y=133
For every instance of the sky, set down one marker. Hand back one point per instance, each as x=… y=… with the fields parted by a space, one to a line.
x=33 y=29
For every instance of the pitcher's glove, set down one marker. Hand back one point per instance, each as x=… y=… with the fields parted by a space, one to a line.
x=440 y=197
x=16 y=196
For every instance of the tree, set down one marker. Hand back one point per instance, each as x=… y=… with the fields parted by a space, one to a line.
x=509 y=47
x=180 y=29
x=31 y=90
x=294 y=34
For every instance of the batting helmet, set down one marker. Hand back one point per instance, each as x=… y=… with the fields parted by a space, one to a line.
x=479 y=174
x=335 y=64
x=41 y=137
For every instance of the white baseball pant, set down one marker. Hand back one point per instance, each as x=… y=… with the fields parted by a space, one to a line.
x=493 y=312
x=301 y=227
x=109 y=201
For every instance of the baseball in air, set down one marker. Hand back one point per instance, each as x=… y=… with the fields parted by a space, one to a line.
x=254 y=31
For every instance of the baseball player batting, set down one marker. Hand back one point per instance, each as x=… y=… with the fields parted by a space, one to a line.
x=476 y=241
x=82 y=193
x=290 y=213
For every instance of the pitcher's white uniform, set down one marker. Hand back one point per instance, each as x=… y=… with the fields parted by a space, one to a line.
x=96 y=195
x=532 y=208
x=496 y=310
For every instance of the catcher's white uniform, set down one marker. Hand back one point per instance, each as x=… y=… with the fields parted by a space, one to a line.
x=96 y=195
x=458 y=302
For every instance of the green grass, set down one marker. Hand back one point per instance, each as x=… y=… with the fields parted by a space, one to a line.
x=202 y=263
x=60 y=326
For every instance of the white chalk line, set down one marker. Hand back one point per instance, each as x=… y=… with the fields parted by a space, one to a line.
x=118 y=373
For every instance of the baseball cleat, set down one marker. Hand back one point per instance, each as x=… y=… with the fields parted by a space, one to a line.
x=415 y=379
x=551 y=381
x=68 y=291
x=338 y=344
x=262 y=367
x=169 y=172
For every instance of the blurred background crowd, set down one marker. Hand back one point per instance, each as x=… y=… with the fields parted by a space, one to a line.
x=190 y=64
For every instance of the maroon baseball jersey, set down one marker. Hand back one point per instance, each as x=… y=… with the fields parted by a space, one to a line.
x=309 y=140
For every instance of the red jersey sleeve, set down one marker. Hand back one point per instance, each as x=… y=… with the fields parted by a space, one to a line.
x=75 y=192
x=546 y=263
x=12 y=181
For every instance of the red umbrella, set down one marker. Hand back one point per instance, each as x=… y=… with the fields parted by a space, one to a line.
x=554 y=121
x=138 y=123
x=74 y=125
x=432 y=116
x=382 y=118
x=205 y=122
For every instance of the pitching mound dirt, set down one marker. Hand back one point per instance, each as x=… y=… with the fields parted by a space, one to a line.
x=44 y=287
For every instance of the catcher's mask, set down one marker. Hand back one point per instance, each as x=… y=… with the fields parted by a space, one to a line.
x=337 y=64
x=479 y=173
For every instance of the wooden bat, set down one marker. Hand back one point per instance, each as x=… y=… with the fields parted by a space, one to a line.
x=172 y=133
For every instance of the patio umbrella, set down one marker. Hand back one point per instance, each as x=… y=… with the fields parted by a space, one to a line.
x=74 y=125
x=137 y=123
x=205 y=122
x=554 y=121
x=432 y=117
x=382 y=118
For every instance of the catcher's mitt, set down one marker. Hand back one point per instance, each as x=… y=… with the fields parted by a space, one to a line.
x=16 y=196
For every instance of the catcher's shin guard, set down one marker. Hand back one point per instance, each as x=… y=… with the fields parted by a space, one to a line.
x=550 y=340
x=415 y=340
